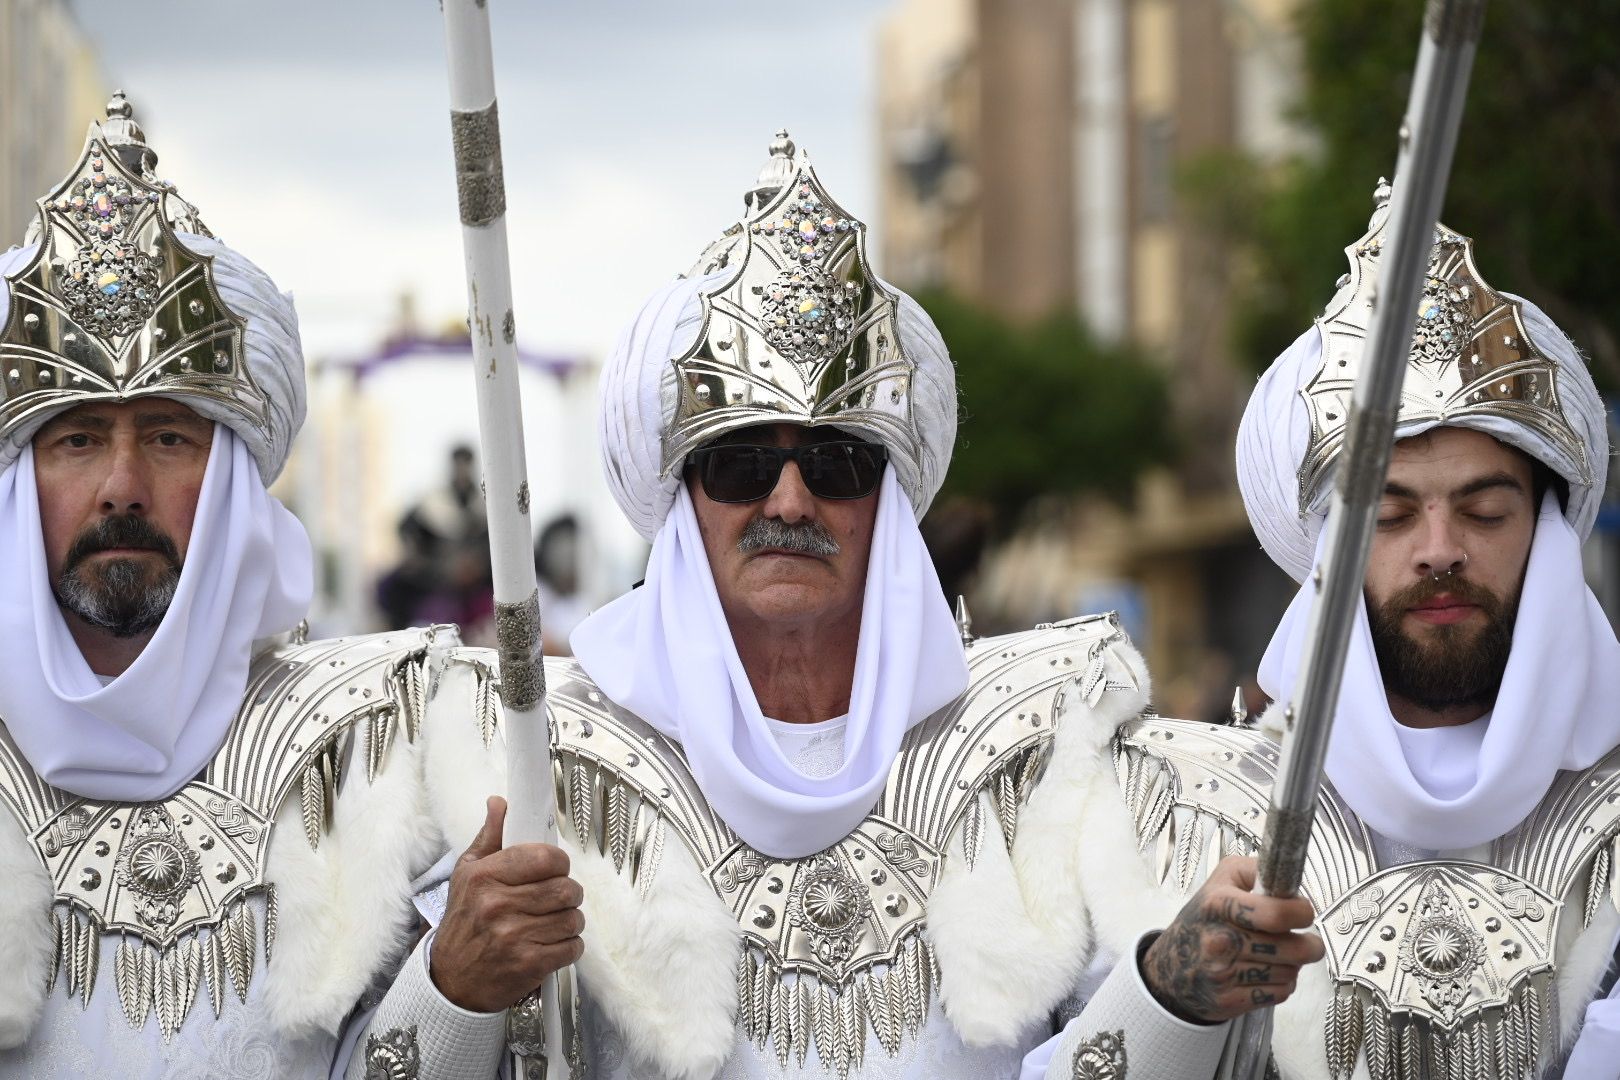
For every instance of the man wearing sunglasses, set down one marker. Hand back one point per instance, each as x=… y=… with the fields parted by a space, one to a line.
x=821 y=830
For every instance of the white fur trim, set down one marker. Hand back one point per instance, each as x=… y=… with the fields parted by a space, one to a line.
x=1011 y=934
x=662 y=968
x=345 y=908
x=460 y=771
x=27 y=938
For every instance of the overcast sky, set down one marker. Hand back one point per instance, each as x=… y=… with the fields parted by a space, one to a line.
x=312 y=135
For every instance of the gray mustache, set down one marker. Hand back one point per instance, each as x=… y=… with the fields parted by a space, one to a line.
x=803 y=538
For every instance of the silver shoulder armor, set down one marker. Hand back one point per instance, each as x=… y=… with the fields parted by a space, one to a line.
x=160 y=874
x=1446 y=961
x=846 y=922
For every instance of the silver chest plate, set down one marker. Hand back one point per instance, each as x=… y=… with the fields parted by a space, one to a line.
x=834 y=942
x=1441 y=968
x=170 y=879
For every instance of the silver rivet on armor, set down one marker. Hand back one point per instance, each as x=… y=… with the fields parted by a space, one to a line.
x=69 y=339
x=206 y=843
x=89 y=879
x=196 y=309
x=185 y=819
x=1511 y=950
x=1402 y=908
x=103 y=849
x=31 y=321
x=113 y=822
x=764 y=917
x=1493 y=924
x=895 y=905
x=225 y=872
x=222 y=361
x=158 y=333
x=878 y=876
x=1387 y=933
x=774 y=885
x=14 y=375
x=1473 y=901
x=632 y=759
x=1375 y=963
x=859 y=854
x=701 y=393
x=45 y=375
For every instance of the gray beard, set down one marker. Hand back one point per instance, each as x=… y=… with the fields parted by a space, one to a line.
x=120 y=600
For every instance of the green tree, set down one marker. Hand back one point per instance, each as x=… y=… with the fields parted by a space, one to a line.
x=1046 y=409
x=1536 y=181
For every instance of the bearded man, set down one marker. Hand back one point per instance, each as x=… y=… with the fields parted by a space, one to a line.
x=823 y=831
x=1462 y=860
x=211 y=826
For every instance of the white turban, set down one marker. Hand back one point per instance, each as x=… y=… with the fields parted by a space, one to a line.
x=1276 y=428
x=275 y=358
x=639 y=398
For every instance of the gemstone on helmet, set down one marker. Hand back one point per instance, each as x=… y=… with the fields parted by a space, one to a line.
x=1428 y=308
x=843 y=225
x=96 y=163
x=108 y=283
x=78 y=202
x=807 y=252
x=152 y=196
x=222 y=361
x=807 y=230
x=102 y=205
x=810 y=309
x=105 y=229
x=196 y=308
x=98 y=180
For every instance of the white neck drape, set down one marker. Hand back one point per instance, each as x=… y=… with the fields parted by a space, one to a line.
x=248 y=573
x=1557 y=709
x=665 y=653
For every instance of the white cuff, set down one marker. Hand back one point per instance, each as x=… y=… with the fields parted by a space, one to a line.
x=1125 y=1027
x=417 y=1023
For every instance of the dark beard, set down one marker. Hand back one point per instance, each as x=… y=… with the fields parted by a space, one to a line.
x=1453 y=665
x=124 y=597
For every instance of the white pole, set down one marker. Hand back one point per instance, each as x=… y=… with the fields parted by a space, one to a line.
x=481 y=192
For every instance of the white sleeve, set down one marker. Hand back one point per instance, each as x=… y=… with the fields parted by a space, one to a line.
x=416 y=1023
x=1123 y=1025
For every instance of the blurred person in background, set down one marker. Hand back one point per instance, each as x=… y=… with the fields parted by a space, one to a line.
x=211 y=828
x=443 y=573
x=557 y=569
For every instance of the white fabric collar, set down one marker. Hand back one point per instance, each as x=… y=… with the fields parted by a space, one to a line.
x=664 y=652
x=1556 y=709
x=248 y=573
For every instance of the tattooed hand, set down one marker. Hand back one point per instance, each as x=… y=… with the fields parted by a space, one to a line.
x=1229 y=950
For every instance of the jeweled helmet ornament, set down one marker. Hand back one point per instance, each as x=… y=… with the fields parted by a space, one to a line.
x=113 y=305
x=1472 y=356
x=798 y=330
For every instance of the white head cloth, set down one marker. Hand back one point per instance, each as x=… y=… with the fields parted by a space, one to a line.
x=665 y=651
x=274 y=356
x=1555 y=708
x=248 y=572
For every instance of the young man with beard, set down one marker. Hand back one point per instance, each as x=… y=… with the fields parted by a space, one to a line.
x=210 y=827
x=1463 y=859
x=824 y=832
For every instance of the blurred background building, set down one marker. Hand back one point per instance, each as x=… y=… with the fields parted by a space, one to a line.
x=1030 y=153
x=1117 y=211
x=51 y=87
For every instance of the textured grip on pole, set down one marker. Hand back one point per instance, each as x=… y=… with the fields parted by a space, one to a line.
x=517 y=642
x=480 y=183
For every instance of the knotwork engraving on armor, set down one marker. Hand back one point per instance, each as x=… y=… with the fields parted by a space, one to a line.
x=68 y=829
x=902 y=852
x=393 y=1055
x=1101 y=1057
x=746 y=867
x=232 y=819
x=157 y=865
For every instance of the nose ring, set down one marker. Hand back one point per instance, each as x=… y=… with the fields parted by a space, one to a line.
x=1460 y=566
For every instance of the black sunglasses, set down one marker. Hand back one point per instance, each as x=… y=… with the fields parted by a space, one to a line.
x=733 y=473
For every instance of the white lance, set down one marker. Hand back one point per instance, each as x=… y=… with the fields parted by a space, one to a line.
x=1428 y=138
x=535 y=1029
